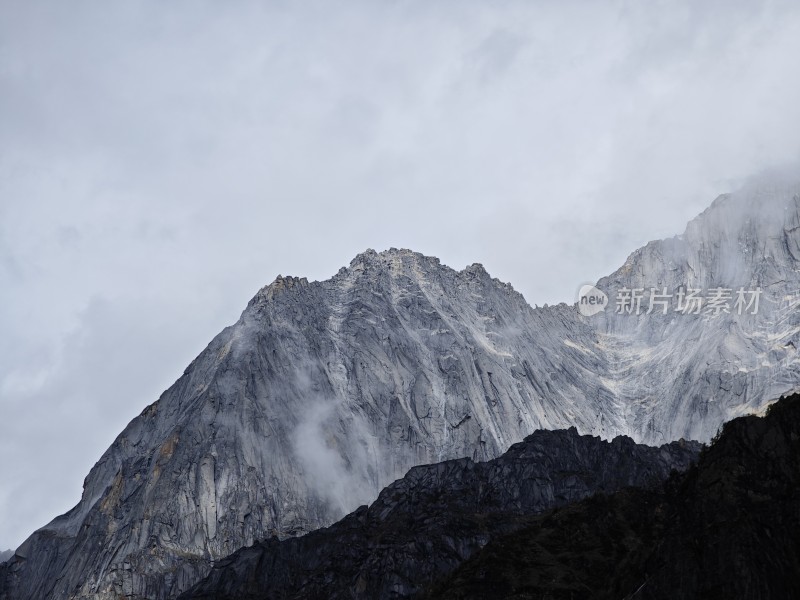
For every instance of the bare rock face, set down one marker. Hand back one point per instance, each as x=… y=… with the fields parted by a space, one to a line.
x=325 y=392
x=319 y=396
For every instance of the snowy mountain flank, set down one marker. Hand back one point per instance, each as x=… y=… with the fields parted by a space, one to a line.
x=322 y=393
x=682 y=375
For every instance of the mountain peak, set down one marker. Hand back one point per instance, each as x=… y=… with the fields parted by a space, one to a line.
x=277 y=287
x=327 y=391
x=384 y=257
x=366 y=256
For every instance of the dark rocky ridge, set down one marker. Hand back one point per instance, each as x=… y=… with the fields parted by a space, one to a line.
x=727 y=529
x=423 y=526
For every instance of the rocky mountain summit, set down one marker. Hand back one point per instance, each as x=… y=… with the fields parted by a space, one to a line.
x=323 y=393
x=422 y=527
x=319 y=396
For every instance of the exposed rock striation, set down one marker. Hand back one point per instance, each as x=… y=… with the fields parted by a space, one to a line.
x=319 y=396
x=325 y=392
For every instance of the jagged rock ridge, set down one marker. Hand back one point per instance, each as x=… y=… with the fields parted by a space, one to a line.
x=425 y=525
x=324 y=392
x=728 y=528
x=320 y=395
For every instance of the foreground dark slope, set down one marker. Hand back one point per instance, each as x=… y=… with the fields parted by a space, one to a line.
x=729 y=528
x=426 y=524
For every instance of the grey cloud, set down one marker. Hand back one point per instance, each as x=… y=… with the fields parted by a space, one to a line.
x=345 y=476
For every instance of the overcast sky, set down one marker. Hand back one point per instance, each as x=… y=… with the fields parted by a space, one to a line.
x=160 y=162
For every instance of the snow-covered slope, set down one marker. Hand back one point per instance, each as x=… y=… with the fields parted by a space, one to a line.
x=682 y=375
x=324 y=392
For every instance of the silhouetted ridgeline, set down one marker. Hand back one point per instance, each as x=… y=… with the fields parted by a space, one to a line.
x=727 y=528
x=425 y=525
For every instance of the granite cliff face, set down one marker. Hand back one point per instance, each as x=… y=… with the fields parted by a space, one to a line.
x=422 y=527
x=319 y=396
x=325 y=392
